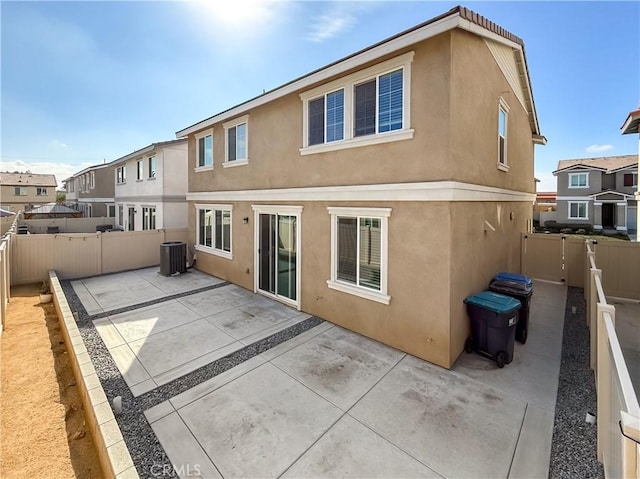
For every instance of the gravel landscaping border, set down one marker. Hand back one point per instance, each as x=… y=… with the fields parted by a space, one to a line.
x=146 y=452
x=574 y=447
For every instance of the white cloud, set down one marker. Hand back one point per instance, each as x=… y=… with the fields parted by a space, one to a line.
x=338 y=18
x=598 y=148
x=58 y=144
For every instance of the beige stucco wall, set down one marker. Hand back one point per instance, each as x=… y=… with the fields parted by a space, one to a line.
x=10 y=201
x=477 y=83
x=478 y=253
x=275 y=137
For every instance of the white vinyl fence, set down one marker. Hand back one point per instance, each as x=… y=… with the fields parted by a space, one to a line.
x=618 y=411
x=6 y=243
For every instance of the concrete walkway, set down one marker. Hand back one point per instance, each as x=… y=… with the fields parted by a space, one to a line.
x=330 y=402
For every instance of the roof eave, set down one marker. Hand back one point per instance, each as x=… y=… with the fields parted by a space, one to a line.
x=458 y=17
x=632 y=123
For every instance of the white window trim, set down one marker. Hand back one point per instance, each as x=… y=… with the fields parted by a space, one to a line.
x=348 y=83
x=208 y=249
x=324 y=114
x=124 y=178
x=155 y=173
x=202 y=134
x=366 y=293
x=586 y=203
x=139 y=172
x=504 y=107
x=93 y=180
x=230 y=124
x=571 y=175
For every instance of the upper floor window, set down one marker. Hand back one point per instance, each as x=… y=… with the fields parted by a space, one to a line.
x=366 y=107
x=631 y=179
x=140 y=170
x=503 y=117
x=359 y=251
x=41 y=191
x=121 y=175
x=152 y=167
x=93 y=180
x=20 y=191
x=237 y=144
x=70 y=186
x=578 y=180
x=326 y=118
x=204 y=150
x=214 y=229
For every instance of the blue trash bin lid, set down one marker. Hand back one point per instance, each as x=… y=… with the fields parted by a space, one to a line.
x=513 y=278
x=496 y=302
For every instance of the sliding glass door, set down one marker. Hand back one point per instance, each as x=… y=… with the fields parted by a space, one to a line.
x=277 y=254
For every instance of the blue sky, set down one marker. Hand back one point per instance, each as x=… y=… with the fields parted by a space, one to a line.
x=84 y=82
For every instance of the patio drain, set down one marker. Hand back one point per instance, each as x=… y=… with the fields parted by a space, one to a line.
x=145 y=449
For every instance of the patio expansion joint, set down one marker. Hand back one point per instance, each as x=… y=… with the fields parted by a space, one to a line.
x=164 y=299
x=144 y=447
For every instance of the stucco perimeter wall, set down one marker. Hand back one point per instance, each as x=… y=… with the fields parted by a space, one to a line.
x=478 y=253
x=477 y=83
x=417 y=318
x=275 y=139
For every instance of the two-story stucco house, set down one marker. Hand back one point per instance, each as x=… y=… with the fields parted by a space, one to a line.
x=151 y=187
x=631 y=126
x=92 y=191
x=598 y=192
x=23 y=191
x=379 y=191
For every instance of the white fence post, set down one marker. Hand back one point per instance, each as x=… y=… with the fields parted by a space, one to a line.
x=594 y=331
x=603 y=380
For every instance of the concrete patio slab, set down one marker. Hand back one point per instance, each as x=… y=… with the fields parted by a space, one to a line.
x=339 y=365
x=352 y=450
x=211 y=302
x=425 y=410
x=259 y=424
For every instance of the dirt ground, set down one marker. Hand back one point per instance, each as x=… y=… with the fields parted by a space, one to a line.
x=42 y=425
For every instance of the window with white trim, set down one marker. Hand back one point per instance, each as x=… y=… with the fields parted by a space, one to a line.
x=326 y=118
x=213 y=229
x=237 y=141
x=111 y=211
x=121 y=175
x=359 y=251
x=140 y=169
x=503 y=117
x=579 y=180
x=121 y=216
x=367 y=107
x=93 y=180
x=152 y=166
x=578 y=210
x=20 y=191
x=41 y=191
x=204 y=150
x=148 y=217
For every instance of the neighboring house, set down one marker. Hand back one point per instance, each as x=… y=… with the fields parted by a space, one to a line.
x=632 y=126
x=150 y=187
x=23 y=191
x=598 y=192
x=379 y=191
x=546 y=201
x=92 y=191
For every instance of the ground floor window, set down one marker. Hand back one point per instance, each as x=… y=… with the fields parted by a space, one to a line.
x=578 y=210
x=214 y=228
x=111 y=211
x=121 y=215
x=148 y=217
x=359 y=251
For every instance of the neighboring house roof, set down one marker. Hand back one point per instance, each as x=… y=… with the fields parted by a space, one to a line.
x=27 y=179
x=87 y=169
x=457 y=17
x=632 y=123
x=607 y=164
x=147 y=149
x=546 y=196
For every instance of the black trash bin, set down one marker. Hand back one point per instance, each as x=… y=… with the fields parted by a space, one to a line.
x=493 y=318
x=173 y=258
x=517 y=286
